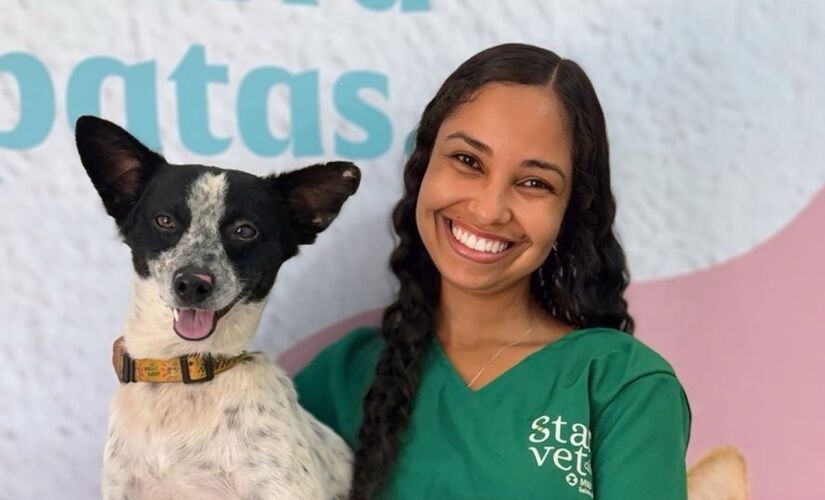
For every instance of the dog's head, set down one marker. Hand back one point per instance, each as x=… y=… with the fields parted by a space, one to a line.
x=209 y=240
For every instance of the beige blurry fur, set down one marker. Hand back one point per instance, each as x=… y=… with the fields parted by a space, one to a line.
x=719 y=475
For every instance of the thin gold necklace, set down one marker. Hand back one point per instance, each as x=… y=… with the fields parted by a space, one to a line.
x=497 y=354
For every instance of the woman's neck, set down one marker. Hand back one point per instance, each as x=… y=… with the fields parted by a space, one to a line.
x=467 y=319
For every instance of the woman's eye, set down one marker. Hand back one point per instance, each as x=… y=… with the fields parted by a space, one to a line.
x=537 y=184
x=467 y=160
x=165 y=222
x=245 y=231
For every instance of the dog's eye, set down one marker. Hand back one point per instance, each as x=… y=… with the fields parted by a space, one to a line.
x=165 y=222
x=245 y=231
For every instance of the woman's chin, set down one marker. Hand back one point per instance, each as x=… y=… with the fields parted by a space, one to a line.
x=473 y=283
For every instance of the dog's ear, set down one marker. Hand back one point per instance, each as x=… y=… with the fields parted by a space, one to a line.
x=316 y=194
x=117 y=163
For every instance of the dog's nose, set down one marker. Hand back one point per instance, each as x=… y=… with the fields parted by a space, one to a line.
x=193 y=286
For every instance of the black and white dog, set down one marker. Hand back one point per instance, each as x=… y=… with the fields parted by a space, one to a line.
x=206 y=245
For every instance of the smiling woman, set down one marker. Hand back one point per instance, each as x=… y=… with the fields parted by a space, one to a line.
x=496 y=177
x=504 y=368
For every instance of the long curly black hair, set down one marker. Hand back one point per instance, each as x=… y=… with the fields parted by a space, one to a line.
x=581 y=283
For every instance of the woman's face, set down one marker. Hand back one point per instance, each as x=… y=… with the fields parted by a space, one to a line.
x=496 y=188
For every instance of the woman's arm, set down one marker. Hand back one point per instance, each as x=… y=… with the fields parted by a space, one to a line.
x=640 y=439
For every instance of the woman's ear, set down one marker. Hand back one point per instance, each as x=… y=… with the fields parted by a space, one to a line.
x=316 y=194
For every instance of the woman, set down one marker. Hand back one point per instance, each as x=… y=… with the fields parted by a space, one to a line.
x=506 y=368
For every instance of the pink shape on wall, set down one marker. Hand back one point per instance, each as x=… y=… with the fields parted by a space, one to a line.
x=747 y=340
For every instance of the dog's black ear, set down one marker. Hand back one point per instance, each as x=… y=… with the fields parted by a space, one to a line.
x=118 y=164
x=316 y=194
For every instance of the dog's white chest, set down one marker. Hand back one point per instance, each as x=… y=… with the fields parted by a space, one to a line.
x=239 y=436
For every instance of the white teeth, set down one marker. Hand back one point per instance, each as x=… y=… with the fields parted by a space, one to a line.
x=477 y=243
x=175 y=313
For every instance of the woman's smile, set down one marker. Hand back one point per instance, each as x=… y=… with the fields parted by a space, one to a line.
x=475 y=246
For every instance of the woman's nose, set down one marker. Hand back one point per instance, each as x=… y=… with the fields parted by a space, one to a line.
x=489 y=205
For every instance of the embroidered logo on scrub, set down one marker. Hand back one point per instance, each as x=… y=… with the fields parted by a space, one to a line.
x=567 y=447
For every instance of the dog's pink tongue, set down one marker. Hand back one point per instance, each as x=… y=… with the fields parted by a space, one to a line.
x=194 y=324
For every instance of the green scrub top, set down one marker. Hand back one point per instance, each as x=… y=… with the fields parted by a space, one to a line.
x=594 y=414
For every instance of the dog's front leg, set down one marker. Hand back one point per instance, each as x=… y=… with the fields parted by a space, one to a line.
x=117 y=483
x=122 y=477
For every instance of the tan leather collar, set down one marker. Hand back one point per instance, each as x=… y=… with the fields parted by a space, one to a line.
x=189 y=368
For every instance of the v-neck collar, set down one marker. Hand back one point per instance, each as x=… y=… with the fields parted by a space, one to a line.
x=502 y=377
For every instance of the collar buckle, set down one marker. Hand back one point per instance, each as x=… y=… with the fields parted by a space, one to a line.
x=208 y=368
x=127 y=369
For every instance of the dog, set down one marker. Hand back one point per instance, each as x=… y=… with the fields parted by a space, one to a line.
x=721 y=474
x=197 y=416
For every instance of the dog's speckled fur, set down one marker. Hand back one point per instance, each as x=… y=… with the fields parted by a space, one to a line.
x=243 y=434
x=240 y=436
x=201 y=244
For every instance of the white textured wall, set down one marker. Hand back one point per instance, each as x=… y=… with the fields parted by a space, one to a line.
x=713 y=108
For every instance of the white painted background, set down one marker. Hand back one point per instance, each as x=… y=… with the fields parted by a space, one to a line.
x=714 y=111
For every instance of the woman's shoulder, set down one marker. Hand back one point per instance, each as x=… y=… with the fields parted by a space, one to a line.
x=615 y=350
x=355 y=351
x=356 y=347
x=615 y=363
x=634 y=399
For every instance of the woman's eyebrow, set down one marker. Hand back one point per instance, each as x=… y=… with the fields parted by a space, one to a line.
x=544 y=166
x=472 y=141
